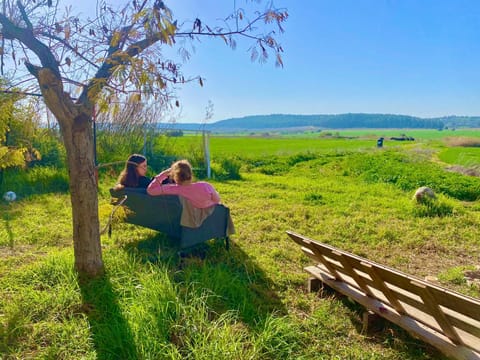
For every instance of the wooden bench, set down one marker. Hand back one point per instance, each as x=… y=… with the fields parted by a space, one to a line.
x=443 y=318
x=163 y=214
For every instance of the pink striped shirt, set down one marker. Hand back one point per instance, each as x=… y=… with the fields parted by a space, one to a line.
x=201 y=194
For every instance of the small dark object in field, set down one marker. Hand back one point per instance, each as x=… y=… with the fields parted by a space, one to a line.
x=403 y=138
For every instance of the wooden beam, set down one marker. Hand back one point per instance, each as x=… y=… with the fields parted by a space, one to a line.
x=437 y=313
x=414 y=327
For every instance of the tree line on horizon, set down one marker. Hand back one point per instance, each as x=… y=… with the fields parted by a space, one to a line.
x=337 y=121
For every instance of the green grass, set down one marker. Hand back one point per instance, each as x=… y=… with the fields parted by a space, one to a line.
x=251 y=302
x=259 y=147
x=418 y=134
x=465 y=156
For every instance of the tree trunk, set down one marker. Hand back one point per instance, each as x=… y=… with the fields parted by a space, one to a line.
x=75 y=122
x=78 y=141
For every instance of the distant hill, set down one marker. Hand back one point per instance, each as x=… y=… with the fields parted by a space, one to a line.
x=340 y=121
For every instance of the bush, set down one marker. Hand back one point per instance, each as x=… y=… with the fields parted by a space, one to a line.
x=36 y=180
x=430 y=207
x=52 y=150
x=228 y=169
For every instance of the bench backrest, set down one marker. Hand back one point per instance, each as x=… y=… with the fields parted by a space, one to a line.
x=406 y=297
x=163 y=213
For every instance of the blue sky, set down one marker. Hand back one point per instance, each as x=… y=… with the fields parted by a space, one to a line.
x=413 y=57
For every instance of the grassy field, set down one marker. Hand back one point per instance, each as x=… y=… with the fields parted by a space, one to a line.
x=250 y=302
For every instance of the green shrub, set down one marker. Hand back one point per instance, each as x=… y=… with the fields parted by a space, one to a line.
x=52 y=150
x=36 y=180
x=433 y=207
x=455 y=275
x=301 y=157
x=228 y=169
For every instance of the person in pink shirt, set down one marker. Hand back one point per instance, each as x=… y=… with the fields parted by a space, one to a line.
x=200 y=194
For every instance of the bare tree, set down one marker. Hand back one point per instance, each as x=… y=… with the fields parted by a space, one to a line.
x=79 y=63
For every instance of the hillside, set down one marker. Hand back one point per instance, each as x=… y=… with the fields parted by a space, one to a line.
x=338 y=121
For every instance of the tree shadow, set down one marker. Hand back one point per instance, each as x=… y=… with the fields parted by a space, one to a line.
x=231 y=278
x=382 y=331
x=8 y=228
x=7 y=216
x=111 y=334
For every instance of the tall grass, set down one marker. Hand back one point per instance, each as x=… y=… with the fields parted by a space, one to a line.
x=36 y=180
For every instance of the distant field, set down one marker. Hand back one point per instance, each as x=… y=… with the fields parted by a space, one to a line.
x=468 y=157
x=317 y=142
x=421 y=134
x=418 y=134
x=222 y=146
x=245 y=147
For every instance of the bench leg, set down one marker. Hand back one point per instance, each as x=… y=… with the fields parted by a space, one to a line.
x=371 y=322
x=314 y=284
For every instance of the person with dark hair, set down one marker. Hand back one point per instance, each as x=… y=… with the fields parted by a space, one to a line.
x=200 y=194
x=133 y=175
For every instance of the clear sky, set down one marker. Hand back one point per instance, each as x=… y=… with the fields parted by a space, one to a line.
x=412 y=57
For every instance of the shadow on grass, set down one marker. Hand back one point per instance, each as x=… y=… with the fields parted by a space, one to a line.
x=234 y=281
x=111 y=334
x=6 y=218
x=384 y=332
x=8 y=214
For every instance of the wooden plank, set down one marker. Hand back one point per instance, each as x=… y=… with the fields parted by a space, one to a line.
x=380 y=285
x=437 y=313
x=463 y=322
x=324 y=260
x=443 y=312
x=465 y=304
x=351 y=271
x=344 y=276
x=417 y=329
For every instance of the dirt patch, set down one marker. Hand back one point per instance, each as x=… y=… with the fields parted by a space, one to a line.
x=22 y=253
x=473 y=277
x=428 y=261
x=475 y=171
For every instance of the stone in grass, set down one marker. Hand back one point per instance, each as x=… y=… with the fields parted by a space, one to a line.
x=423 y=194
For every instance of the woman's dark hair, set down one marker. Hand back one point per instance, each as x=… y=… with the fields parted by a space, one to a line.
x=129 y=175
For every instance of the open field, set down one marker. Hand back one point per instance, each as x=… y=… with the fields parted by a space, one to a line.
x=419 y=134
x=251 y=302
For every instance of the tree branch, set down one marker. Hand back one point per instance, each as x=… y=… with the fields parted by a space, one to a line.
x=27 y=37
x=68 y=46
x=20 y=93
x=24 y=15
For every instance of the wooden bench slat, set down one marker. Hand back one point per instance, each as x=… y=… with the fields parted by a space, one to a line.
x=437 y=312
x=417 y=329
x=470 y=307
x=446 y=319
x=380 y=284
x=414 y=308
